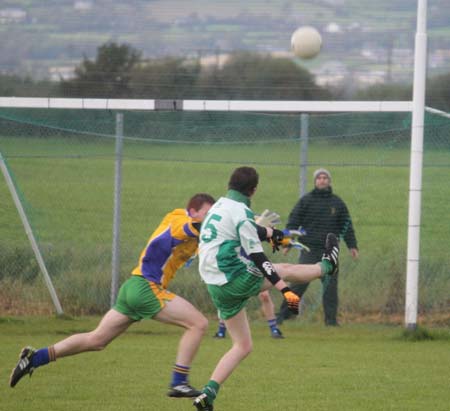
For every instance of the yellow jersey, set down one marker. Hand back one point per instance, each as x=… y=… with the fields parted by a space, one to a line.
x=170 y=246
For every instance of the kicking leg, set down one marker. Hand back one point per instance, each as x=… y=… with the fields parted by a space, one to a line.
x=305 y=273
x=299 y=273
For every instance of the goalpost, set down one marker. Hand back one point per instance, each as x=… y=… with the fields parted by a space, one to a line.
x=297 y=107
x=415 y=182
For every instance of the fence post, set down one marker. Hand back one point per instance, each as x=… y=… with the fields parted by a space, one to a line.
x=115 y=265
x=304 y=136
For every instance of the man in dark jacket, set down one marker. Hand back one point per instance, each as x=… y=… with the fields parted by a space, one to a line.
x=320 y=212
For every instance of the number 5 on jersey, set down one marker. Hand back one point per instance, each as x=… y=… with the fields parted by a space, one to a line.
x=208 y=229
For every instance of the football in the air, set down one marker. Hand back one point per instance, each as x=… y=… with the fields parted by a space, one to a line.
x=306 y=42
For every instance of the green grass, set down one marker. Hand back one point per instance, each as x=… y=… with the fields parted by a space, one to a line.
x=356 y=367
x=70 y=189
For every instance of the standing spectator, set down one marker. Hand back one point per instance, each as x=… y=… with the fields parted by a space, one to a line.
x=320 y=212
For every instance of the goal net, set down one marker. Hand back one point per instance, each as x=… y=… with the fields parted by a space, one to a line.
x=62 y=159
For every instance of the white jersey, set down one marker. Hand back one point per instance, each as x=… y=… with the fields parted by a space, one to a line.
x=228 y=235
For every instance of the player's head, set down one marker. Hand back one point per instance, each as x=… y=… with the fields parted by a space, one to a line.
x=244 y=180
x=199 y=204
x=322 y=178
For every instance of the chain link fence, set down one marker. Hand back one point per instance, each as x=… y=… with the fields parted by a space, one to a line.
x=63 y=163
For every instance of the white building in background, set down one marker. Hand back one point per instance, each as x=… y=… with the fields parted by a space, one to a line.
x=332 y=73
x=336 y=73
x=12 y=15
x=58 y=73
x=370 y=78
x=214 y=60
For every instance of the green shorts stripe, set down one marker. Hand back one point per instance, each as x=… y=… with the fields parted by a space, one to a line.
x=232 y=297
x=139 y=298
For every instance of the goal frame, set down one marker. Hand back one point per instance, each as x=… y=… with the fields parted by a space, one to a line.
x=261 y=106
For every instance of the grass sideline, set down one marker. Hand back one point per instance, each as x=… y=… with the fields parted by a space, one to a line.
x=353 y=367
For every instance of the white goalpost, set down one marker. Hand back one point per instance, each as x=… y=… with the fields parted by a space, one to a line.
x=297 y=107
x=416 y=166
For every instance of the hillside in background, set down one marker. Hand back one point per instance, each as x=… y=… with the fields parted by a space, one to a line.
x=367 y=41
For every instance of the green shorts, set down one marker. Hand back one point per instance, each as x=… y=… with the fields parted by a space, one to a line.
x=232 y=297
x=139 y=298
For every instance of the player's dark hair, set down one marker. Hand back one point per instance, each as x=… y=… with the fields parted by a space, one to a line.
x=244 y=180
x=196 y=201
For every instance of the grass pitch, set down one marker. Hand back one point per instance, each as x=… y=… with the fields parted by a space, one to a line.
x=354 y=367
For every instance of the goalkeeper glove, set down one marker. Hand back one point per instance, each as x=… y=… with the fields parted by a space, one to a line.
x=290 y=233
x=292 y=299
x=268 y=219
x=277 y=239
x=281 y=239
x=289 y=243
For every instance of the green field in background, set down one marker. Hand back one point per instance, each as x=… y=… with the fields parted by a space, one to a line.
x=355 y=367
x=67 y=186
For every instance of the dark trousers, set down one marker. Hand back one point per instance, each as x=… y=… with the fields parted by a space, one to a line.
x=329 y=296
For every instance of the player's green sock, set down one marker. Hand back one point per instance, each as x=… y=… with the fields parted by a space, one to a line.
x=326 y=267
x=211 y=390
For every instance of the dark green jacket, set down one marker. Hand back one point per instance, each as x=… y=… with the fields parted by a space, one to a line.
x=321 y=212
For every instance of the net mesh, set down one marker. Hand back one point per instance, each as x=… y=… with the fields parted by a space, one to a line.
x=63 y=162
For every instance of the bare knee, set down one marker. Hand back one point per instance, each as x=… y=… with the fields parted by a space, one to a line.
x=202 y=325
x=199 y=324
x=244 y=348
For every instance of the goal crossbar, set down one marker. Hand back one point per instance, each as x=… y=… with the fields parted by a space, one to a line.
x=207 y=105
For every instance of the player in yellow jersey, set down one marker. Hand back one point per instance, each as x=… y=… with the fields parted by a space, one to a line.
x=145 y=295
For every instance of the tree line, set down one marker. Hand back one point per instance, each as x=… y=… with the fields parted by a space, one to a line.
x=119 y=71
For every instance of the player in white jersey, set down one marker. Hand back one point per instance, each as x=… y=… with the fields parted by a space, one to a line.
x=234 y=267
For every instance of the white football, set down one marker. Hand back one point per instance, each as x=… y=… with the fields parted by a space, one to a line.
x=306 y=42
